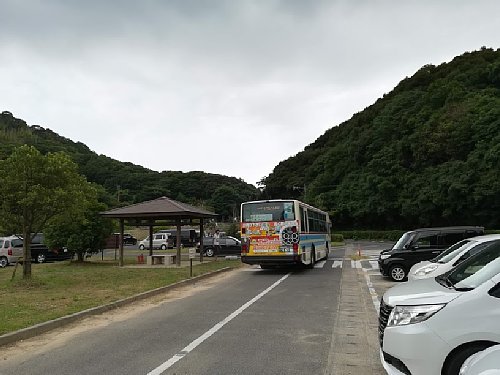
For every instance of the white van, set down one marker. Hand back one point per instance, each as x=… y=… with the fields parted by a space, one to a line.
x=432 y=326
x=160 y=241
x=451 y=257
x=11 y=249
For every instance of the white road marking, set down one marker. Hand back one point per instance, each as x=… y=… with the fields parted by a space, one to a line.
x=320 y=264
x=355 y=264
x=374 y=264
x=373 y=293
x=337 y=263
x=167 y=364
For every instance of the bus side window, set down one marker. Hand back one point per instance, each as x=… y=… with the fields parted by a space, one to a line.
x=303 y=220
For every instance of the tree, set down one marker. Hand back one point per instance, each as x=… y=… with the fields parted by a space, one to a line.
x=37 y=188
x=83 y=230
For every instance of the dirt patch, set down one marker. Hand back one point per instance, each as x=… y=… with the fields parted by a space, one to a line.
x=58 y=337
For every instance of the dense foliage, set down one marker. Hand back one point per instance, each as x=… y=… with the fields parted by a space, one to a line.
x=37 y=189
x=426 y=154
x=127 y=183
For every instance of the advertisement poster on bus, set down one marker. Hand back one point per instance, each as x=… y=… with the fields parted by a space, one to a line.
x=270 y=238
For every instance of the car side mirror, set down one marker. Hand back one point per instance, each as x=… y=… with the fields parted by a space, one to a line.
x=495 y=291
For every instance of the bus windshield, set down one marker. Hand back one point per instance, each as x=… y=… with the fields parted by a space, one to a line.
x=267 y=211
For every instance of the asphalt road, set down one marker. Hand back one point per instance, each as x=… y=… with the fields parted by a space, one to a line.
x=254 y=322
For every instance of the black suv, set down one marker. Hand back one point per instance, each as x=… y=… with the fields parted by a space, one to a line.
x=40 y=253
x=419 y=245
x=228 y=246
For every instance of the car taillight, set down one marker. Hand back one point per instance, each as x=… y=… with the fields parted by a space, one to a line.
x=295 y=248
x=9 y=251
x=244 y=248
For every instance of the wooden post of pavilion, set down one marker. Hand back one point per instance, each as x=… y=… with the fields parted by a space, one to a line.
x=120 y=259
x=178 y=242
x=202 y=234
x=150 y=239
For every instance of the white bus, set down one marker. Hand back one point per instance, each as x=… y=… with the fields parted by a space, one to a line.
x=283 y=231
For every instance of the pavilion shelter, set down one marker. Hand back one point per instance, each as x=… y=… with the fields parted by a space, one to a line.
x=161 y=211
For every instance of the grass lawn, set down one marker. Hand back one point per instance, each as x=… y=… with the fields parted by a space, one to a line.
x=59 y=289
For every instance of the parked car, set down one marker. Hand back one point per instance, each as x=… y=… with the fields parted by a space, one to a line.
x=128 y=239
x=161 y=241
x=113 y=241
x=40 y=253
x=228 y=246
x=486 y=362
x=419 y=245
x=432 y=326
x=451 y=257
x=189 y=237
x=11 y=249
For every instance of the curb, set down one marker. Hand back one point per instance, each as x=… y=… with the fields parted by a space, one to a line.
x=40 y=328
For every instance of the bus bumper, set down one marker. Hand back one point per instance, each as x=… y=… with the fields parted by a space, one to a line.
x=272 y=260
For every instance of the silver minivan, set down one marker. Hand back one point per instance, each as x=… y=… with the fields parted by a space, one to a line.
x=11 y=249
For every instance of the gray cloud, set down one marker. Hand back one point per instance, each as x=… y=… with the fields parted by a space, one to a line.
x=266 y=77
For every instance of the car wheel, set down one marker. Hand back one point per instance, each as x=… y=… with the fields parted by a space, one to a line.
x=40 y=258
x=209 y=252
x=454 y=363
x=163 y=247
x=397 y=273
x=141 y=247
x=4 y=262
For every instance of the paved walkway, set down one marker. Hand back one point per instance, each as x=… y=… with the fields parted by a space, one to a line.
x=355 y=348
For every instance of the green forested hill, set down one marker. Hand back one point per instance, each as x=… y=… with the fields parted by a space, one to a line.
x=426 y=154
x=126 y=182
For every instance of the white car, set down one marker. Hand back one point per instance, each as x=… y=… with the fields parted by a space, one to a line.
x=450 y=257
x=11 y=248
x=486 y=362
x=432 y=326
x=161 y=241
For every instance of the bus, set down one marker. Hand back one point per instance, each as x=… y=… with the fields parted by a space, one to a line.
x=283 y=232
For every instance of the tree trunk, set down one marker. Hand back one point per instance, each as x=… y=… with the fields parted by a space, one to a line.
x=26 y=254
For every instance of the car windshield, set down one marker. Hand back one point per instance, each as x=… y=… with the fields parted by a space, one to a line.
x=453 y=251
x=477 y=269
x=405 y=239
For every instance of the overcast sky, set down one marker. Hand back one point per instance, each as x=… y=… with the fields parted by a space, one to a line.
x=228 y=87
